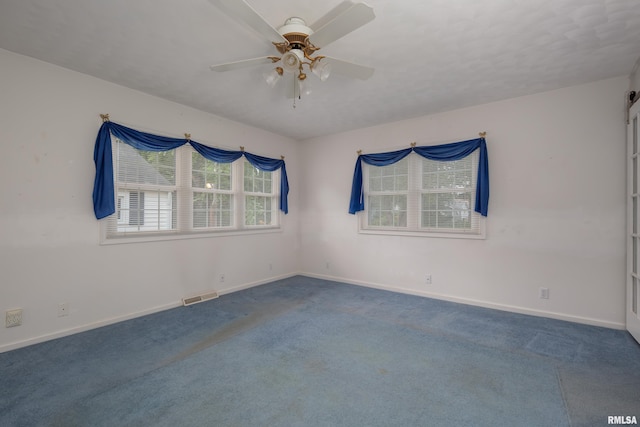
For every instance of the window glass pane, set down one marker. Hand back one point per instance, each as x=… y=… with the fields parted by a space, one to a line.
x=212 y=210
x=446 y=210
x=197 y=162
x=258 y=210
x=429 y=180
x=430 y=219
x=198 y=179
x=145 y=167
x=375 y=172
x=388 y=211
x=456 y=174
x=388 y=183
x=225 y=181
x=375 y=183
x=146 y=210
x=401 y=167
x=445 y=201
x=157 y=167
x=429 y=166
x=445 y=219
x=447 y=179
x=389 y=178
x=430 y=202
x=402 y=182
x=257 y=181
x=249 y=184
x=208 y=174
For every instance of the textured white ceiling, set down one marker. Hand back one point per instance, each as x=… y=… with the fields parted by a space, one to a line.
x=429 y=55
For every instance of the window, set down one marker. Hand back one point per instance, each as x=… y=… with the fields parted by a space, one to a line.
x=388 y=195
x=422 y=197
x=181 y=193
x=259 y=202
x=212 y=184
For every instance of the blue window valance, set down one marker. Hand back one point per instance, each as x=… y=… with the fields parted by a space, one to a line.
x=103 y=187
x=445 y=152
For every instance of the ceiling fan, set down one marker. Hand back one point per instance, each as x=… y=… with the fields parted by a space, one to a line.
x=297 y=43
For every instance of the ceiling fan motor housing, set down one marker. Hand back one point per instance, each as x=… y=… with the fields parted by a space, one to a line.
x=296 y=32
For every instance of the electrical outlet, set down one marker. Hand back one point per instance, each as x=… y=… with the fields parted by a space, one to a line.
x=13 y=318
x=327 y=265
x=63 y=309
x=544 y=293
x=222 y=278
x=427 y=279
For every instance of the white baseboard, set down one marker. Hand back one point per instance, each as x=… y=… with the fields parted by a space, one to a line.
x=83 y=328
x=478 y=303
x=515 y=309
x=257 y=283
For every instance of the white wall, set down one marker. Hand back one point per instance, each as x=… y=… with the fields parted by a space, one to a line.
x=49 y=237
x=556 y=211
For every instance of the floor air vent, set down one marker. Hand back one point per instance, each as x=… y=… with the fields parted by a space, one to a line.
x=199 y=298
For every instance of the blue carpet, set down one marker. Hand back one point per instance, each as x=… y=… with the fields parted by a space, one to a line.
x=307 y=352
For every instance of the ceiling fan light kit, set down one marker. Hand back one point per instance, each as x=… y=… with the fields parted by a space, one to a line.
x=273 y=76
x=292 y=60
x=298 y=43
x=322 y=69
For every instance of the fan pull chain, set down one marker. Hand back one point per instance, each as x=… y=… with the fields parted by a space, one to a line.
x=294 y=92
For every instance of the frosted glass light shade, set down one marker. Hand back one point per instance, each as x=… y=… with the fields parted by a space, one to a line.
x=292 y=59
x=273 y=76
x=321 y=69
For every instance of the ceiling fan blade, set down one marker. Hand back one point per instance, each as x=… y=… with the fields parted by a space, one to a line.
x=331 y=15
x=243 y=12
x=244 y=63
x=349 y=20
x=349 y=69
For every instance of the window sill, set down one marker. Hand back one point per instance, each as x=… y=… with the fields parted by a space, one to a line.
x=429 y=234
x=159 y=237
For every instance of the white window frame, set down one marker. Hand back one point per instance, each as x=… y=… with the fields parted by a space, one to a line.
x=272 y=194
x=414 y=193
x=184 y=222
